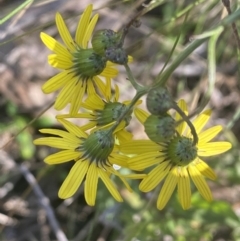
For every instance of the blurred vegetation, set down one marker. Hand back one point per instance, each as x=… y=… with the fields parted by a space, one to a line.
x=21 y=215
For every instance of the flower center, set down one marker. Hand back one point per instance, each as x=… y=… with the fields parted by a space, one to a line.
x=97 y=147
x=86 y=63
x=111 y=112
x=181 y=150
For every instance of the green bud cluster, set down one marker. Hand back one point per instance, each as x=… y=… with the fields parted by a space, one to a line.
x=106 y=46
x=159 y=126
x=159 y=101
x=104 y=39
x=107 y=43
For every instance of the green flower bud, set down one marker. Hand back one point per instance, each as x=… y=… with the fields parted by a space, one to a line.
x=159 y=101
x=182 y=151
x=104 y=39
x=97 y=147
x=160 y=128
x=112 y=112
x=87 y=63
x=116 y=55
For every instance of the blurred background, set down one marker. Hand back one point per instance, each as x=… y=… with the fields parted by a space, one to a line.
x=30 y=209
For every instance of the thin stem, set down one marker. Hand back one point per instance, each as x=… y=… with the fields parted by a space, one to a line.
x=138 y=95
x=29 y=124
x=191 y=47
x=132 y=79
x=174 y=46
x=211 y=72
x=15 y=11
x=185 y=118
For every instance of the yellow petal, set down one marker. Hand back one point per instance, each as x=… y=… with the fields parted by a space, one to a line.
x=182 y=104
x=57 y=61
x=117 y=93
x=120 y=126
x=90 y=189
x=124 y=136
x=200 y=182
x=74 y=179
x=141 y=115
x=68 y=136
x=167 y=189
x=100 y=85
x=209 y=134
x=65 y=94
x=89 y=125
x=140 y=146
x=56 y=82
x=93 y=102
x=72 y=128
x=130 y=59
x=205 y=170
x=201 y=121
x=90 y=87
x=184 y=189
x=77 y=97
x=135 y=176
x=111 y=64
x=213 y=148
x=78 y=115
x=109 y=72
x=89 y=30
x=143 y=161
x=61 y=157
x=118 y=159
x=56 y=142
x=83 y=24
x=155 y=177
x=110 y=186
x=55 y=46
x=64 y=33
x=182 y=126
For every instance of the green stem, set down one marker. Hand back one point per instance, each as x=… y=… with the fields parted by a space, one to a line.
x=138 y=95
x=191 y=126
x=174 y=46
x=15 y=11
x=161 y=80
x=211 y=73
x=132 y=79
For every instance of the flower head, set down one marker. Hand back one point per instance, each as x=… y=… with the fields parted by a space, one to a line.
x=94 y=157
x=177 y=160
x=102 y=113
x=81 y=67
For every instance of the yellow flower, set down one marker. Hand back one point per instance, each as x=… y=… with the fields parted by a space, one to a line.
x=94 y=157
x=102 y=113
x=82 y=69
x=177 y=160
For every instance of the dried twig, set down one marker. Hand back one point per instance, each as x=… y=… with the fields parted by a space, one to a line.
x=226 y=4
x=44 y=201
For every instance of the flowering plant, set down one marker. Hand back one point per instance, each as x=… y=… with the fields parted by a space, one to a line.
x=175 y=144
